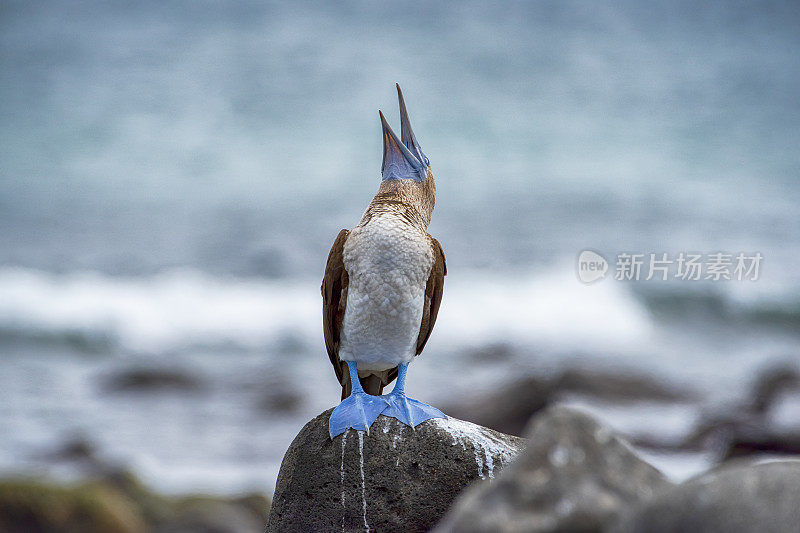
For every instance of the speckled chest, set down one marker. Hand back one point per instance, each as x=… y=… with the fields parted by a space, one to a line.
x=388 y=262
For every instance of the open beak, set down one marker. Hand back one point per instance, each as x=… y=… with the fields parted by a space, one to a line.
x=398 y=161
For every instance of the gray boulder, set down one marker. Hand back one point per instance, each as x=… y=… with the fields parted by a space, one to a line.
x=574 y=475
x=733 y=499
x=392 y=479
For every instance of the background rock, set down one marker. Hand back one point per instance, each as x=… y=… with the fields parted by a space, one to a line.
x=210 y=515
x=621 y=387
x=278 y=396
x=748 y=427
x=574 y=475
x=510 y=407
x=393 y=479
x=736 y=499
x=117 y=502
x=742 y=444
x=773 y=381
x=152 y=379
x=28 y=506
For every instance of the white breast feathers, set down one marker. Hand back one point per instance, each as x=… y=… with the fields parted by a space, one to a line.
x=388 y=263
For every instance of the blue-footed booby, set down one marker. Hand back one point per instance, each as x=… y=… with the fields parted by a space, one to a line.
x=382 y=289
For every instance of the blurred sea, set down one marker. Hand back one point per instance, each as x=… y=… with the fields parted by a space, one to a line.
x=172 y=176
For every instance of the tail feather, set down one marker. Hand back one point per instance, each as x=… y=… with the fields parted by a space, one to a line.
x=372 y=384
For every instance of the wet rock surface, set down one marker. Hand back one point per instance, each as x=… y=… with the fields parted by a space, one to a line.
x=742 y=498
x=392 y=479
x=574 y=475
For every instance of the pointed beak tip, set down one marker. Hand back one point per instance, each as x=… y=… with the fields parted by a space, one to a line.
x=402 y=157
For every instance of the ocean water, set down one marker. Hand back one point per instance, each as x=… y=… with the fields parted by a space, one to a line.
x=172 y=177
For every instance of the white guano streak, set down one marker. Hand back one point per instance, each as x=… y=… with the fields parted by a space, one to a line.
x=363 y=483
x=341 y=480
x=484 y=444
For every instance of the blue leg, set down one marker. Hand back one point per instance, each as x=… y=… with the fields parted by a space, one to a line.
x=408 y=411
x=357 y=411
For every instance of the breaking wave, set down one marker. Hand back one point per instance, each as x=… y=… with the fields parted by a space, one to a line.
x=186 y=309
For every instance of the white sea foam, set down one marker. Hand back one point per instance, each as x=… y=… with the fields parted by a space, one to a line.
x=180 y=309
x=544 y=307
x=161 y=313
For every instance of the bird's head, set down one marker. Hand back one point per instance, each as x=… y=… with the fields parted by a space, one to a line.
x=403 y=158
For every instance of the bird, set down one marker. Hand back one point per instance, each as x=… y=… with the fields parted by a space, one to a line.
x=382 y=289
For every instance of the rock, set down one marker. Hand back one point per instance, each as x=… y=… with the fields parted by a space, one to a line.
x=279 y=397
x=257 y=504
x=34 y=507
x=79 y=454
x=772 y=382
x=747 y=427
x=491 y=353
x=734 y=499
x=153 y=507
x=151 y=379
x=769 y=442
x=623 y=387
x=190 y=514
x=716 y=431
x=574 y=475
x=283 y=402
x=160 y=514
x=120 y=503
x=211 y=515
x=392 y=479
x=510 y=407
x=76 y=448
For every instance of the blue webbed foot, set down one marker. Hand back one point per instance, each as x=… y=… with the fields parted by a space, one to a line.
x=357 y=411
x=409 y=411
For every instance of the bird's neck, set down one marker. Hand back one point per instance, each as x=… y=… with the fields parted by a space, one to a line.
x=408 y=199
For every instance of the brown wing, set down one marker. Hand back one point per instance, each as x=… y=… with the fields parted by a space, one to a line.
x=433 y=295
x=334 y=300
